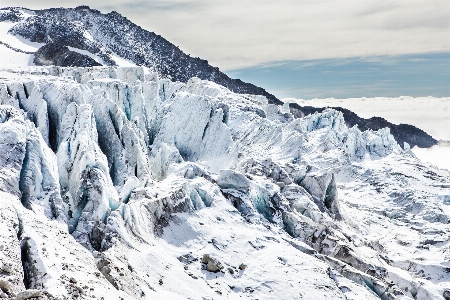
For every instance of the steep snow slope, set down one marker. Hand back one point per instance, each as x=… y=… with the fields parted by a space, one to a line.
x=11 y=58
x=114 y=179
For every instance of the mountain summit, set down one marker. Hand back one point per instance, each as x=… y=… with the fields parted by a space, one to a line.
x=105 y=39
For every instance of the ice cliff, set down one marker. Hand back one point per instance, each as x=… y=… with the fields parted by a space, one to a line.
x=116 y=183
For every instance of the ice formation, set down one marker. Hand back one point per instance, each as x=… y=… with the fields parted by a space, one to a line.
x=116 y=183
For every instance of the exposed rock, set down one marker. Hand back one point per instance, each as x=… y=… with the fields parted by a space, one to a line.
x=187 y=258
x=212 y=264
x=57 y=54
x=446 y=295
x=121 y=278
x=28 y=294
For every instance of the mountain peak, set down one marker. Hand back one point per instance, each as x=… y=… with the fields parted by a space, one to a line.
x=110 y=39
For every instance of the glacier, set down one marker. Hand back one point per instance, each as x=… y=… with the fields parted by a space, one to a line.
x=115 y=183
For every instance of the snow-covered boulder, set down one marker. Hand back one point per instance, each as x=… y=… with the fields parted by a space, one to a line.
x=231 y=179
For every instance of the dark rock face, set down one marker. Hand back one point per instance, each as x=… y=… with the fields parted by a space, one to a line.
x=402 y=133
x=113 y=33
x=59 y=55
x=13 y=15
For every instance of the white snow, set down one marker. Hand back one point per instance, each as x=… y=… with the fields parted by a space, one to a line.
x=122 y=62
x=10 y=58
x=430 y=114
x=150 y=170
x=438 y=155
x=87 y=53
x=17 y=42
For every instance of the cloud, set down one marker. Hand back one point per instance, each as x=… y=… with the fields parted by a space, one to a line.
x=241 y=33
x=413 y=75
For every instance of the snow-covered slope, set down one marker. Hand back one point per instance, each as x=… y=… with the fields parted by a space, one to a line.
x=85 y=37
x=428 y=113
x=116 y=183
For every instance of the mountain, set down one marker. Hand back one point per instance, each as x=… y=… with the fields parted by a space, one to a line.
x=403 y=133
x=123 y=182
x=105 y=38
x=84 y=37
x=118 y=184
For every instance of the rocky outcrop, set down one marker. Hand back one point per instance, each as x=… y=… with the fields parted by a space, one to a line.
x=212 y=264
x=57 y=54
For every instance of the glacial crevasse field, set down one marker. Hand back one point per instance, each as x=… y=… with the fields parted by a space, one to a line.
x=427 y=113
x=118 y=184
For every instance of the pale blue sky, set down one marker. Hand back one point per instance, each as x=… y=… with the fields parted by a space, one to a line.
x=391 y=76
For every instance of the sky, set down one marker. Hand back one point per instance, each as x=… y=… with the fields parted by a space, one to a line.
x=244 y=37
x=391 y=76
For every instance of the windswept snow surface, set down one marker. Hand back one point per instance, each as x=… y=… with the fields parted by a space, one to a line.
x=116 y=183
x=12 y=59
